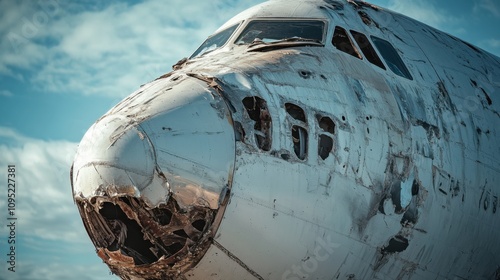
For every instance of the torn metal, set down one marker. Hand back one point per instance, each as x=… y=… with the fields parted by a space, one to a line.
x=147 y=243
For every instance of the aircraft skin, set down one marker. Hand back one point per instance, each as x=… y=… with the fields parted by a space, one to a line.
x=300 y=159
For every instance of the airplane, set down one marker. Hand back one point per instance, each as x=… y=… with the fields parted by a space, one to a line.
x=312 y=139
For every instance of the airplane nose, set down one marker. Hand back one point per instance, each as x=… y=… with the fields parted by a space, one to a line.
x=111 y=160
x=151 y=176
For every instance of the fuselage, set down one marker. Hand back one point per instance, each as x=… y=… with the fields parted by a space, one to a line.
x=363 y=146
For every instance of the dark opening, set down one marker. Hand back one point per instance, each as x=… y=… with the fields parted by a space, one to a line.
x=134 y=244
x=414 y=188
x=326 y=124
x=396 y=196
x=199 y=224
x=256 y=108
x=295 y=112
x=342 y=42
x=325 y=146
x=325 y=142
x=181 y=233
x=306 y=74
x=367 y=49
x=299 y=136
x=397 y=244
x=410 y=216
x=162 y=216
x=391 y=57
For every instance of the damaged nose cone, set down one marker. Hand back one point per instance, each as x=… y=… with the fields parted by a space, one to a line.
x=150 y=188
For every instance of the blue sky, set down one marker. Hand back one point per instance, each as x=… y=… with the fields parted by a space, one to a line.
x=63 y=65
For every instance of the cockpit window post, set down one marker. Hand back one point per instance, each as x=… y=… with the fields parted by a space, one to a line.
x=215 y=41
x=342 y=42
x=367 y=49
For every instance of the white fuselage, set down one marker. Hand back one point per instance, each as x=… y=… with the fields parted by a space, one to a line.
x=407 y=187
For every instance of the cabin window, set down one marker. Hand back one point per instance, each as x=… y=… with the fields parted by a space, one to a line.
x=299 y=131
x=299 y=136
x=367 y=48
x=342 y=42
x=325 y=140
x=391 y=57
x=256 y=108
x=215 y=41
x=272 y=31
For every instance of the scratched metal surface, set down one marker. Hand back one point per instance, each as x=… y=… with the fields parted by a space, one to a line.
x=409 y=189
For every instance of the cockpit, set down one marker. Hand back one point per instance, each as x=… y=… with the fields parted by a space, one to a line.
x=264 y=33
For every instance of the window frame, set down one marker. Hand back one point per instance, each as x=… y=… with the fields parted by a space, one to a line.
x=373 y=51
x=243 y=26
x=401 y=71
x=198 y=52
x=348 y=36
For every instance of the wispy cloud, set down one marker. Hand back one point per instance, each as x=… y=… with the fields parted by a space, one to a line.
x=108 y=51
x=6 y=93
x=48 y=223
x=494 y=43
x=488 y=6
x=424 y=11
x=491 y=45
x=46 y=204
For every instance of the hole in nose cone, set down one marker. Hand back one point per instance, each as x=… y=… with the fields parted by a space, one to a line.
x=131 y=215
x=135 y=240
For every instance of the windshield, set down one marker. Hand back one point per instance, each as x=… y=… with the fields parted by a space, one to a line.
x=215 y=41
x=269 y=31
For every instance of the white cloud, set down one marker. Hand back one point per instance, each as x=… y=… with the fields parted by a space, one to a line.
x=6 y=93
x=424 y=11
x=489 y=6
x=109 y=51
x=44 y=202
x=494 y=43
x=48 y=223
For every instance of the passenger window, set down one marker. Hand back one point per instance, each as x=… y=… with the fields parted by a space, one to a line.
x=391 y=57
x=342 y=42
x=367 y=48
x=299 y=132
x=256 y=108
x=299 y=135
x=325 y=141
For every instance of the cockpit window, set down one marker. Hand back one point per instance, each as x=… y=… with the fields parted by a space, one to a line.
x=271 y=31
x=215 y=41
x=391 y=57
